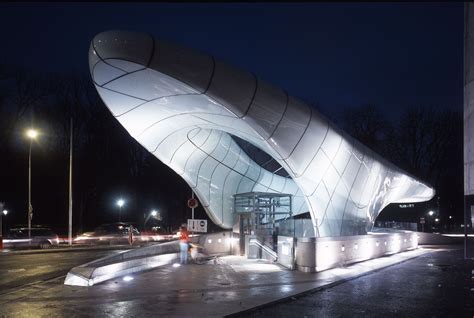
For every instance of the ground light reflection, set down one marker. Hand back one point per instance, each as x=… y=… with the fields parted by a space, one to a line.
x=286 y=288
x=259 y=268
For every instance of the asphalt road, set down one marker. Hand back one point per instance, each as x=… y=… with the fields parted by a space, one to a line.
x=19 y=270
x=433 y=285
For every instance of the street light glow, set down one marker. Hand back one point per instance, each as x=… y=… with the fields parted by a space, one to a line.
x=431 y=213
x=120 y=202
x=436 y=220
x=31 y=133
x=5 y=212
x=154 y=213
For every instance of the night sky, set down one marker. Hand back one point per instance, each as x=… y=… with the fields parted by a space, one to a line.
x=392 y=55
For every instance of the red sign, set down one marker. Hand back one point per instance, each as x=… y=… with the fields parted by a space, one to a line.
x=192 y=203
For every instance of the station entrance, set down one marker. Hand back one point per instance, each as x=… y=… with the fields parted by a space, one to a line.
x=262 y=218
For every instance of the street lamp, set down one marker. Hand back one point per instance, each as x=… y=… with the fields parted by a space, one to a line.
x=153 y=213
x=31 y=134
x=430 y=219
x=4 y=212
x=120 y=203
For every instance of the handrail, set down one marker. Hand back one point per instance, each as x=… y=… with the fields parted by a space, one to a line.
x=264 y=247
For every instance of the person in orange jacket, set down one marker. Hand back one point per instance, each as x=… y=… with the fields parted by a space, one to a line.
x=183 y=244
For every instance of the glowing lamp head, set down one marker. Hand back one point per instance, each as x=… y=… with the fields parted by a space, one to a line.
x=5 y=212
x=31 y=133
x=431 y=213
x=120 y=202
x=154 y=213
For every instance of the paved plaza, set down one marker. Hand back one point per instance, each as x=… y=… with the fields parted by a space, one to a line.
x=237 y=286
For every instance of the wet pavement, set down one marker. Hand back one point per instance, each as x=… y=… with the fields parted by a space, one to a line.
x=235 y=285
x=437 y=284
x=20 y=268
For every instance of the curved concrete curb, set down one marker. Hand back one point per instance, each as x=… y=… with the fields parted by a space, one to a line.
x=121 y=264
x=141 y=259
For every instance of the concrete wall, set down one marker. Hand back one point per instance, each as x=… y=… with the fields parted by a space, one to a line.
x=144 y=258
x=218 y=243
x=152 y=250
x=317 y=254
x=212 y=243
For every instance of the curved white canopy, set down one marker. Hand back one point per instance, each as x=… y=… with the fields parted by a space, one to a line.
x=183 y=105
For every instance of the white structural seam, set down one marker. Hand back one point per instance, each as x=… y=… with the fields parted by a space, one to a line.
x=183 y=106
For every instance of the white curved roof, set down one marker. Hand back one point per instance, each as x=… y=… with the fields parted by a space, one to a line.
x=182 y=106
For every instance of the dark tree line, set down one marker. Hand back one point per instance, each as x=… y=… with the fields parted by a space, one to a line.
x=427 y=142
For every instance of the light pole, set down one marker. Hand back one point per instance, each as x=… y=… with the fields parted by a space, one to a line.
x=70 y=188
x=4 y=212
x=32 y=134
x=430 y=213
x=120 y=203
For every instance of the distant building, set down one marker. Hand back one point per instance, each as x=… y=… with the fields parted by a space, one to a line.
x=469 y=109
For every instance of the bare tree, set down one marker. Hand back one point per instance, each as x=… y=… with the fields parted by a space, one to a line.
x=368 y=125
x=20 y=93
x=425 y=140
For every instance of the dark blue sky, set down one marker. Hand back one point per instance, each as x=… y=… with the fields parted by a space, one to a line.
x=393 y=55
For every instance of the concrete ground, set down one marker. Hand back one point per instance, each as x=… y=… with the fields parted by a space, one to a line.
x=439 y=284
x=236 y=286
